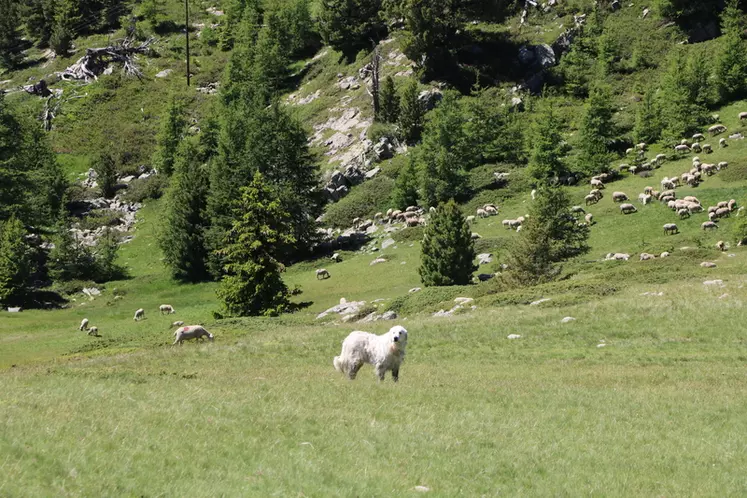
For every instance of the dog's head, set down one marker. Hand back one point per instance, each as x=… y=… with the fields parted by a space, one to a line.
x=399 y=335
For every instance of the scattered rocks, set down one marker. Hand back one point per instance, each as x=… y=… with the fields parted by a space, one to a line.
x=345 y=308
x=430 y=98
x=384 y=149
x=91 y=292
x=657 y=294
x=463 y=300
x=567 y=319
x=484 y=258
x=209 y=89
x=375 y=317
x=540 y=301
x=422 y=489
x=513 y=336
x=372 y=173
x=377 y=261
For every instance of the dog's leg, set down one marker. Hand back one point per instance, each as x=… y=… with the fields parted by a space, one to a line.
x=380 y=372
x=395 y=374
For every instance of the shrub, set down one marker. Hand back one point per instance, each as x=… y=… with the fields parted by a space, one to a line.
x=152 y=187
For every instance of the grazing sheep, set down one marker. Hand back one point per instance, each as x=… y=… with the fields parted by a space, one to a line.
x=166 y=309
x=617 y=256
x=691 y=198
x=596 y=183
x=641 y=146
x=481 y=213
x=191 y=332
x=322 y=273
x=139 y=314
x=389 y=212
x=722 y=165
x=591 y=199
x=723 y=212
x=732 y=204
x=94 y=331
x=378 y=216
x=384 y=352
x=648 y=190
x=589 y=218
x=694 y=208
x=712 y=216
x=596 y=193
x=708 y=225
x=722 y=143
x=646 y=256
x=411 y=209
x=696 y=147
x=721 y=245
x=336 y=257
x=683 y=213
x=627 y=208
x=716 y=129
x=577 y=210
x=475 y=236
x=506 y=223
x=515 y=224
x=698 y=136
x=644 y=198
x=619 y=197
x=661 y=157
x=670 y=229
x=712 y=209
x=491 y=211
x=84 y=324
x=471 y=218
x=177 y=324
x=412 y=221
x=665 y=254
x=707 y=148
x=681 y=148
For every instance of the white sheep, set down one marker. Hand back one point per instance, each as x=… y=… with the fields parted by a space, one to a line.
x=696 y=147
x=506 y=223
x=665 y=254
x=646 y=256
x=589 y=218
x=627 y=208
x=723 y=212
x=177 y=324
x=533 y=194
x=491 y=210
x=644 y=198
x=94 y=331
x=707 y=148
x=596 y=183
x=596 y=193
x=721 y=245
x=732 y=204
x=470 y=218
x=481 y=213
x=591 y=199
x=708 y=225
x=166 y=309
x=722 y=143
x=716 y=129
x=683 y=213
x=742 y=115
x=619 y=197
x=191 y=332
x=670 y=229
x=139 y=314
x=336 y=257
x=698 y=136
x=84 y=324
x=577 y=210
x=515 y=224
x=322 y=273
x=617 y=256
x=722 y=165
x=681 y=148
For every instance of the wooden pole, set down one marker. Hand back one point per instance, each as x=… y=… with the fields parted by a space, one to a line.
x=186 y=15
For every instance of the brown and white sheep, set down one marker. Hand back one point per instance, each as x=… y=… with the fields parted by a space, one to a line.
x=191 y=332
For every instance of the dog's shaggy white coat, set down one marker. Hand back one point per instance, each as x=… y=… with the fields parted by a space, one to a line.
x=384 y=352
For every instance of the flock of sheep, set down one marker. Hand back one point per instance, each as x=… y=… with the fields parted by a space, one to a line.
x=684 y=207
x=181 y=334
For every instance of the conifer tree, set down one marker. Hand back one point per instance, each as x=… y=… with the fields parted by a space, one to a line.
x=10 y=38
x=547 y=146
x=70 y=259
x=406 y=188
x=106 y=172
x=16 y=262
x=549 y=235
x=445 y=153
x=678 y=99
x=106 y=267
x=432 y=27
x=389 y=101
x=39 y=16
x=647 y=123
x=182 y=237
x=169 y=137
x=351 y=25
x=731 y=62
x=448 y=252
x=46 y=179
x=252 y=284
x=411 y=113
x=269 y=67
x=13 y=177
x=597 y=130
x=66 y=18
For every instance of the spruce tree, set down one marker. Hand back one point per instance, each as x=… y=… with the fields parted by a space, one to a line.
x=547 y=147
x=70 y=259
x=596 y=130
x=351 y=25
x=46 y=179
x=105 y=257
x=411 y=113
x=170 y=135
x=270 y=61
x=39 y=16
x=10 y=38
x=13 y=176
x=549 y=235
x=16 y=262
x=252 y=284
x=448 y=252
x=389 y=101
x=647 y=123
x=679 y=99
x=66 y=18
x=182 y=237
x=731 y=61
x=106 y=172
x=445 y=153
x=432 y=28
x=406 y=188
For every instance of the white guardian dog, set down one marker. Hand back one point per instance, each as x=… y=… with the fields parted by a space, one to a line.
x=384 y=352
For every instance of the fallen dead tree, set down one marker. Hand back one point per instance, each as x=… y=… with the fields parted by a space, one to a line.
x=94 y=63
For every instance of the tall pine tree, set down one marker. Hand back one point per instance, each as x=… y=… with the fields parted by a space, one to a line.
x=252 y=284
x=10 y=38
x=597 y=130
x=389 y=101
x=647 y=123
x=411 y=113
x=66 y=19
x=546 y=146
x=731 y=62
x=182 y=237
x=351 y=25
x=448 y=252
x=406 y=188
x=16 y=262
x=169 y=137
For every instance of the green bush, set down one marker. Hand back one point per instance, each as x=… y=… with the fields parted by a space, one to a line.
x=363 y=201
x=152 y=187
x=70 y=287
x=378 y=130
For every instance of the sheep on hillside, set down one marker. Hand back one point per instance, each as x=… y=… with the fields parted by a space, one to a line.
x=698 y=136
x=716 y=129
x=619 y=197
x=166 y=309
x=722 y=165
x=681 y=148
x=722 y=143
x=646 y=256
x=670 y=229
x=721 y=245
x=627 y=208
x=481 y=213
x=191 y=332
x=83 y=324
x=139 y=314
x=591 y=199
x=708 y=225
x=589 y=218
x=742 y=115
x=577 y=210
x=683 y=213
x=322 y=273
x=94 y=331
x=707 y=148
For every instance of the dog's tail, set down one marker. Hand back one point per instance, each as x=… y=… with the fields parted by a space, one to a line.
x=337 y=363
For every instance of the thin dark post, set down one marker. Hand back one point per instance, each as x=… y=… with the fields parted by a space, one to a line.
x=186 y=15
